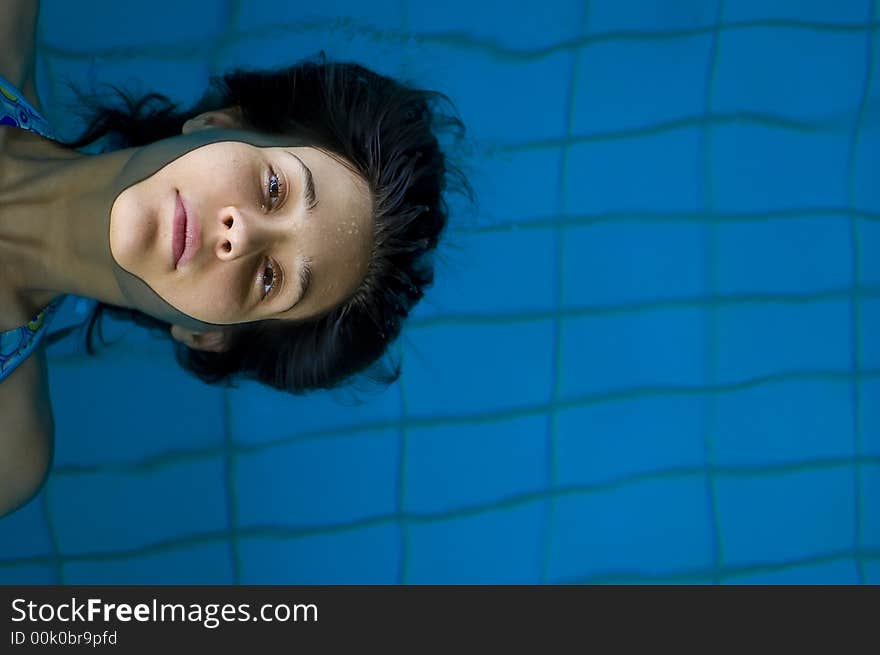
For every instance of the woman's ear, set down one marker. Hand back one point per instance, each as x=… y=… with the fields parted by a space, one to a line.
x=229 y=118
x=216 y=341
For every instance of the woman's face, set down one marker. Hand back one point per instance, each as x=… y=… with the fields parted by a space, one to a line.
x=264 y=216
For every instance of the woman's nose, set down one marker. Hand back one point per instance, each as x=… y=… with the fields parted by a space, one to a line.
x=239 y=235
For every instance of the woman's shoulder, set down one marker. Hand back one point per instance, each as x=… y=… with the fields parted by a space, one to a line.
x=18 y=111
x=11 y=309
x=22 y=334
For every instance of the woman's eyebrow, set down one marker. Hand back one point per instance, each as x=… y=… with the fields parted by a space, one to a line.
x=311 y=196
x=305 y=281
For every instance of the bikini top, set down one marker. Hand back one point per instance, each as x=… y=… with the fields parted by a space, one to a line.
x=17 y=344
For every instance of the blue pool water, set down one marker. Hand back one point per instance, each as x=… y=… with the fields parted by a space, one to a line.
x=651 y=354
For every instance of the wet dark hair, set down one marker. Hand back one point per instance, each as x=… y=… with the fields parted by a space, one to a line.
x=386 y=132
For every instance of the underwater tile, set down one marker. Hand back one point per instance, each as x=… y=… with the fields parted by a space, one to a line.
x=125 y=405
x=783 y=422
x=759 y=168
x=658 y=172
x=799 y=255
x=260 y=414
x=770 y=518
x=446 y=467
x=499 y=546
x=801 y=75
x=632 y=350
x=319 y=481
x=603 y=442
x=647 y=528
x=649 y=15
x=511 y=186
x=870 y=507
x=867 y=158
x=628 y=84
x=754 y=340
x=625 y=262
x=106 y=24
x=199 y=564
x=869 y=410
x=460 y=369
x=869 y=251
x=27 y=574
x=343 y=38
x=121 y=510
x=343 y=17
x=25 y=532
x=369 y=555
x=520 y=26
x=869 y=327
x=800 y=10
x=503 y=272
x=502 y=101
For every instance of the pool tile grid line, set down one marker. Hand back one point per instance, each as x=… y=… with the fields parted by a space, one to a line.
x=730 y=575
x=170 y=458
x=457 y=40
x=642 y=306
x=669 y=473
x=655 y=128
x=710 y=274
x=55 y=559
x=726 y=576
x=855 y=304
x=672 y=473
x=296 y=532
x=647 y=217
x=500 y=51
x=552 y=475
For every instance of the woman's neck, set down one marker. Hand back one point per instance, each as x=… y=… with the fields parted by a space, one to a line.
x=52 y=201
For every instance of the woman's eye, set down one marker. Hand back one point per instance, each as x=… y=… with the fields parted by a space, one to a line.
x=273 y=281
x=276 y=187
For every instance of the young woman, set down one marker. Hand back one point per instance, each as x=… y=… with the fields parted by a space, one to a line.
x=277 y=231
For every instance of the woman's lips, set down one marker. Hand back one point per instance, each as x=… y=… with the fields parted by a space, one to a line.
x=187 y=238
x=178 y=231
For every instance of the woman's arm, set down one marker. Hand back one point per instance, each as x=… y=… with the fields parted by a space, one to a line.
x=27 y=432
x=18 y=27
